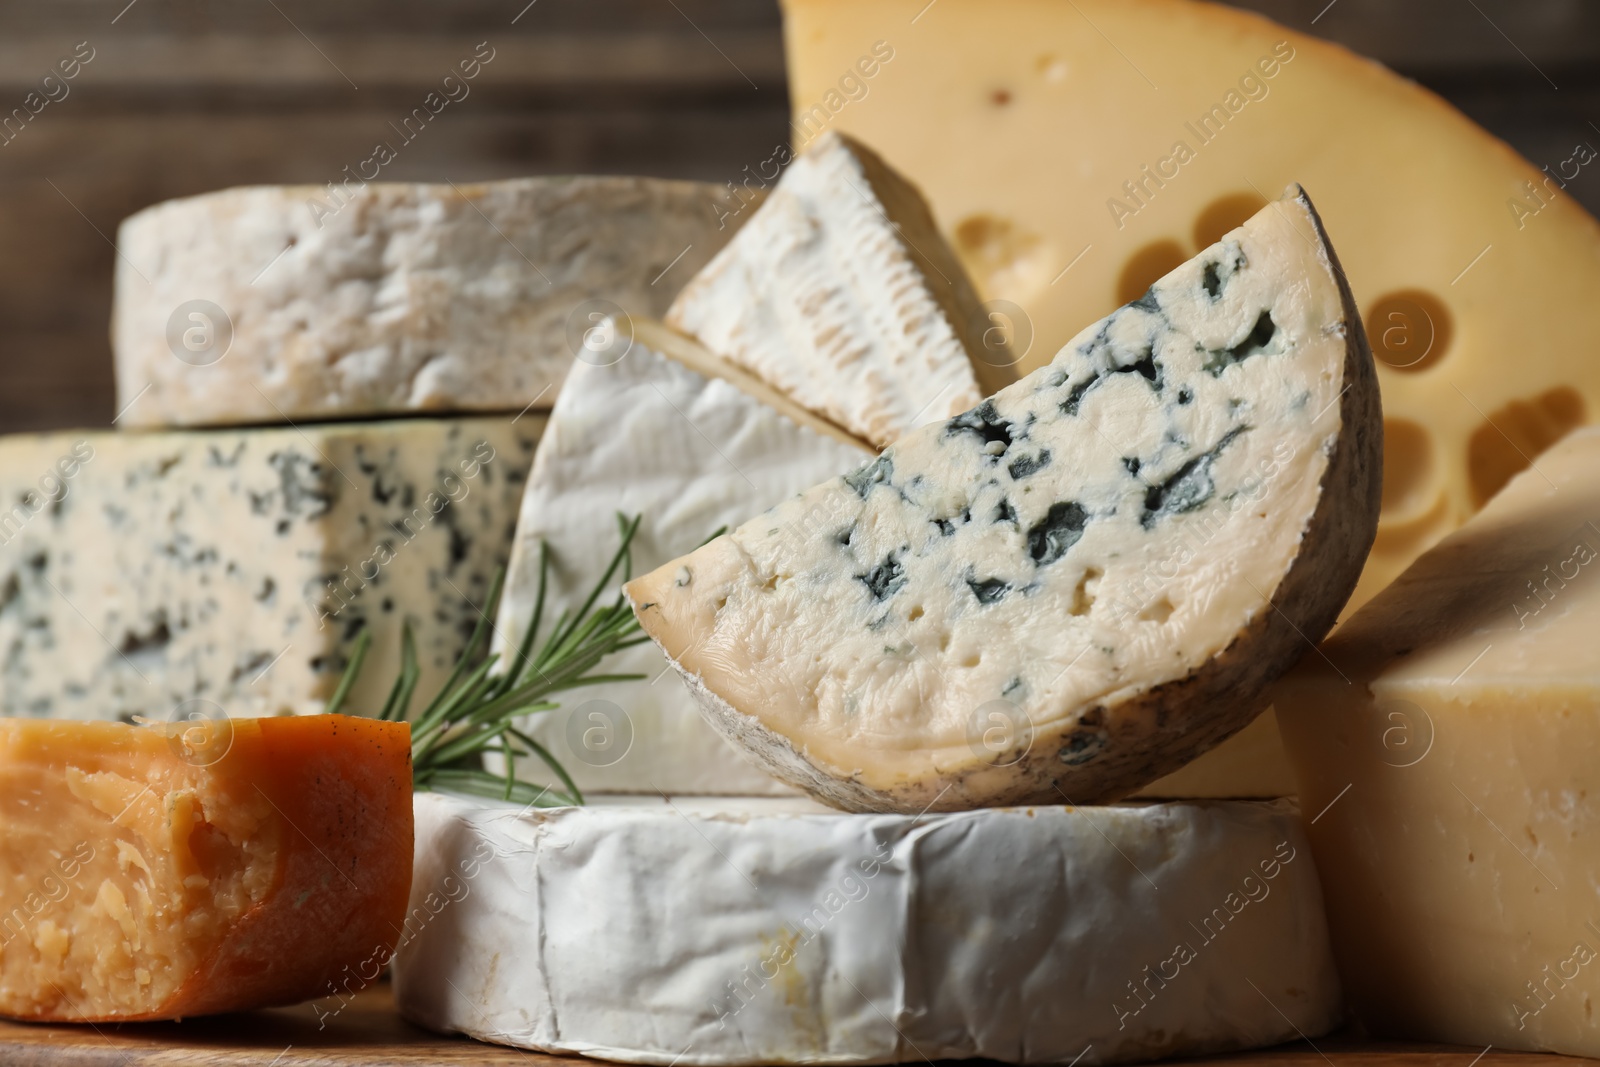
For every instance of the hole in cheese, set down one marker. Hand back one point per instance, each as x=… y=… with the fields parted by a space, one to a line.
x=1083 y=595
x=1223 y=214
x=1147 y=266
x=1409 y=330
x=1411 y=535
x=1516 y=433
x=1410 y=474
x=1159 y=610
x=1051 y=67
x=1001 y=255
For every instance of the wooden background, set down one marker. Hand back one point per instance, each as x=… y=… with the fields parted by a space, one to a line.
x=185 y=96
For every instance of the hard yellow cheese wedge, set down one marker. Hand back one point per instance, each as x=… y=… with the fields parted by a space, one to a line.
x=1447 y=742
x=164 y=872
x=1073 y=152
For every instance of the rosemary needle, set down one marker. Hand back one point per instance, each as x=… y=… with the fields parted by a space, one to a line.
x=475 y=710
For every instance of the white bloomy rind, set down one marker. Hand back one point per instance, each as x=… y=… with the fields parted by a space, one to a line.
x=390 y=298
x=742 y=932
x=841 y=292
x=689 y=453
x=1079 y=585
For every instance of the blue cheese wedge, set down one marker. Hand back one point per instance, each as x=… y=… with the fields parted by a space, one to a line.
x=739 y=932
x=277 y=303
x=691 y=445
x=230 y=571
x=841 y=292
x=1080 y=584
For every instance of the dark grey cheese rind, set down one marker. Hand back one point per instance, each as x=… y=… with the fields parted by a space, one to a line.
x=1018 y=560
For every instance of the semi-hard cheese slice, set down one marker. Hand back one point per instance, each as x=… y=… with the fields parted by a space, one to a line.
x=679 y=438
x=140 y=571
x=1072 y=152
x=1080 y=584
x=841 y=292
x=209 y=866
x=1447 y=742
x=744 y=932
x=271 y=304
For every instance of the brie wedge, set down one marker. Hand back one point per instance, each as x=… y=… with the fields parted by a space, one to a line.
x=690 y=444
x=841 y=292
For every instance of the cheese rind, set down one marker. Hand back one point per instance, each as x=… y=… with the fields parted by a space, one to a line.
x=737 y=933
x=841 y=292
x=390 y=298
x=208 y=866
x=1112 y=557
x=694 y=453
x=237 y=567
x=1449 y=735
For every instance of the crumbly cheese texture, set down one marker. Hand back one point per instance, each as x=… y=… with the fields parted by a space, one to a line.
x=841 y=292
x=1448 y=737
x=1073 y=152
x=392 y=298
x=738 y=933
x=208 y=866
x=237 y=567
x=1078 y=585
x=138 y=863
x=693 y=453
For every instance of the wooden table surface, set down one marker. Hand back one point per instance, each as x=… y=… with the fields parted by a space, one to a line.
x=369 y=1033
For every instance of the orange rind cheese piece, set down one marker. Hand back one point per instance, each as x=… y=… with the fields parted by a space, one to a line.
x=200 y=867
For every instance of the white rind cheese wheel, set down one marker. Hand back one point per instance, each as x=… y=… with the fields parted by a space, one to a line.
x=230 y=572
x=744 y=932
x=841 y=292
x=272 y=304
x=1448 y=737
x=1079 y=585
x=671 y=434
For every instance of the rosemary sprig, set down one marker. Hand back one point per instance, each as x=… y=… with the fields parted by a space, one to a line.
x=475 y=709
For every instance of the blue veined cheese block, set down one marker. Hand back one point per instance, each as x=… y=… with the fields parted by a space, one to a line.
x=1079 y=585
x=231 y=571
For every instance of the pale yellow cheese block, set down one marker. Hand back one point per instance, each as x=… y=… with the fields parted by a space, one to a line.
x=1447 y=742
x=1021 y=120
